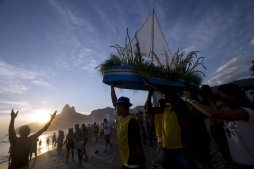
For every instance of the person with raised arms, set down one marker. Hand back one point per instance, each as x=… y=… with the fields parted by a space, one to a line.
x=238 y=122
x=21 y=146
x=128 y=134
x=174 y=152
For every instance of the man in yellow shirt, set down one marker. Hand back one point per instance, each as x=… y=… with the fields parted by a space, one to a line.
x=128 y=134
x=174 y=155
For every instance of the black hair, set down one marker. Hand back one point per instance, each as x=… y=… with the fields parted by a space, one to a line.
x=104 y=119
x=239 y=100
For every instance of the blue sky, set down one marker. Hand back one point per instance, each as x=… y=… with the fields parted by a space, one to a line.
x=49 y=49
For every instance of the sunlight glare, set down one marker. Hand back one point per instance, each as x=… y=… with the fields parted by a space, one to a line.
x=42 y=116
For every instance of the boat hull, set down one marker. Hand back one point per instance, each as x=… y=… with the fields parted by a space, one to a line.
x=130 y=79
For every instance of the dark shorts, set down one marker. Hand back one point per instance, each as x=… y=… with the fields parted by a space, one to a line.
x=96 y=132
x=70 y=146
x=106 y=137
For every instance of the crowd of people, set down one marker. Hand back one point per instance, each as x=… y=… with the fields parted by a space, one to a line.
x=182 y=136
x=176 y=125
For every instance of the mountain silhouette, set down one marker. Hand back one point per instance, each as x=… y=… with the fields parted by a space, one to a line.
x=69 y=117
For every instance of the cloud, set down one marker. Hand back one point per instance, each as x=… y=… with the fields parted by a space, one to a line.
x=20 y=105
x=70 y=18
x=188 y=49
x=14 y=80
x=228 y=64
x=252 y=41
x=234 y=72
x=40 y=83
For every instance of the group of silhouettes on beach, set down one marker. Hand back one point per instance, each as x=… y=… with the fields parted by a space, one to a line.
x=176 y=123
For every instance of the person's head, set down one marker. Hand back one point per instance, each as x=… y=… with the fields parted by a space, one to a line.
x=83 y=126
x=231 y=96
x=24 y=131
x=162 y=103
x=59 y=131
x=122 y=105
x=140 y=113
x=94 y=123
x=88 y=125
x=207 y=92
x=70 y=131
x=54 y=133
x=76 y=126
x=105 y=120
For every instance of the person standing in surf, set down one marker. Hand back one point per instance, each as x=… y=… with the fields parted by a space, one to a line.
x=128 y=134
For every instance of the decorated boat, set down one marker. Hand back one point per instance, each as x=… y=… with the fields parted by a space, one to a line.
x=148 y=54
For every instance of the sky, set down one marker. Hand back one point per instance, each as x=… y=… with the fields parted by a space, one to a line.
x=49 y=48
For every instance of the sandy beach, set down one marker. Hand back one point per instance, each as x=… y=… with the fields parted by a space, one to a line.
x=109 y=160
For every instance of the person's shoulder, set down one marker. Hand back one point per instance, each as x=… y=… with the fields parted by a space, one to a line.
x=133 y=122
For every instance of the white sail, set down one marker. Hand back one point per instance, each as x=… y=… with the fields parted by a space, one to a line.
x=160 y=44
x=144 y=37
x=150 y=39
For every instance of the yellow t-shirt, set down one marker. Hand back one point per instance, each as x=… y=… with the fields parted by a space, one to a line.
x=158 y=125
x=171 y=130
x=214 y=121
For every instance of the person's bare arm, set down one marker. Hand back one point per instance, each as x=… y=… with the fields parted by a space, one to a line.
x=231 y=115
x=113 y=93
x=12 y=133
x=34 y=136
x=85 y=135
x=148 y=101
x=140 y=156
x=162 y=90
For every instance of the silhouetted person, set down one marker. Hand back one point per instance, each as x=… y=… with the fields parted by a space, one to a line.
x=34 y=149
x=96 y=131
x=70 y=144
x=21 y=146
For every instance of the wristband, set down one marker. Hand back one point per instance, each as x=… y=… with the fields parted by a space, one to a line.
x=189 y=99
x=192 y=101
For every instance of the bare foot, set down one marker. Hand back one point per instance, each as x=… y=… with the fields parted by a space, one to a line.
x=85 y=160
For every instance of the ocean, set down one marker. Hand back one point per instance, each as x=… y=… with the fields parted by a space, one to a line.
x=5 y=145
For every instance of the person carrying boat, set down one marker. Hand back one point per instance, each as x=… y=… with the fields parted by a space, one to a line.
x=238 y=122
x=174 y=153
x=158 y=112
x=128 y=134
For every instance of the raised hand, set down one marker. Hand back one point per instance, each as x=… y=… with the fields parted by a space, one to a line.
x=14 y=115
x=145 y=80
x=187 y=94
x=53 y=115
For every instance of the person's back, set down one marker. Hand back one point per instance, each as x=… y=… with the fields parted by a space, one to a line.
x=20 y=150
x=21 y=146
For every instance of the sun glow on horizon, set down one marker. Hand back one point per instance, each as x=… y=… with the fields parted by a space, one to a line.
x=41 y=115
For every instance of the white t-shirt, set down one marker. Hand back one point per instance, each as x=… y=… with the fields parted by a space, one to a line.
x=106 y=128
x=238 y=151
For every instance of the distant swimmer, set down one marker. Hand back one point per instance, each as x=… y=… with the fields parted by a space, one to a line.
x=21 y=146
x=53 y=139
x=40 y=143
x=70 y=144
x=47 y=142
x=60 y=141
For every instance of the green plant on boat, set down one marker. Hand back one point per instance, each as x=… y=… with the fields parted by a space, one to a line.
x=181 y=67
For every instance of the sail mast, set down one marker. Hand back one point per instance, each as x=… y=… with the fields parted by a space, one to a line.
x=152 y=34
